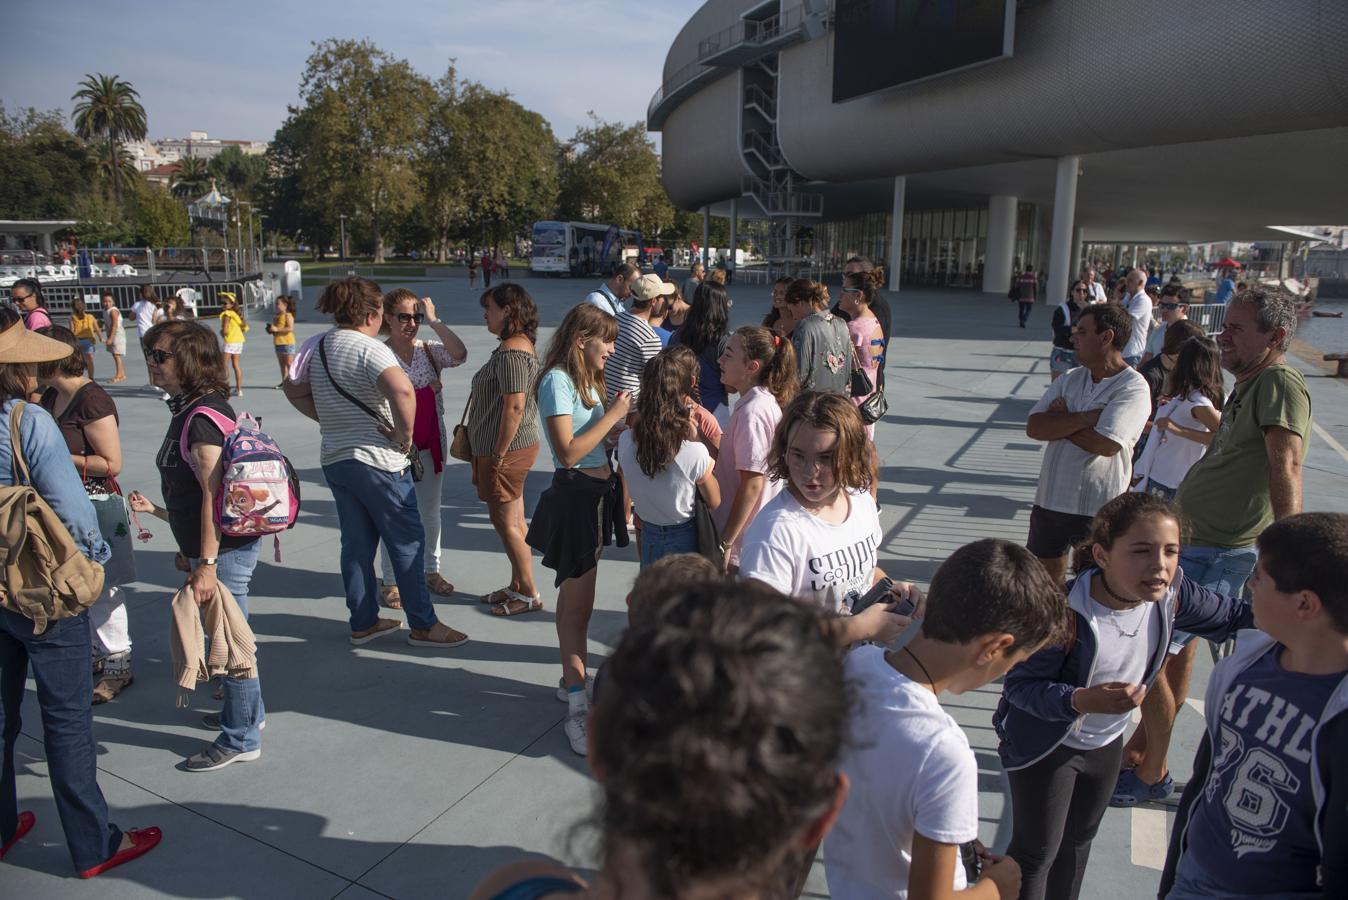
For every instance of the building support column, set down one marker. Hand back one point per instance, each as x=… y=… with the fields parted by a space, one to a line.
x=896 y=231
x=1074 y=270
x=706 y=235
x=1060 y=241
x=1001 y=246
x=734 y=234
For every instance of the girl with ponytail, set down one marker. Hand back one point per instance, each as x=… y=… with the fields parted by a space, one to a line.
x=760 y=367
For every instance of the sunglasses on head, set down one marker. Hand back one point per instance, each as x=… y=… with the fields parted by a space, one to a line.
x=411 y=317
x=159 y=357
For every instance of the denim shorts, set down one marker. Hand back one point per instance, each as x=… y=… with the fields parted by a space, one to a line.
x=1222 y=569
x=86 y=345
x=659 y=541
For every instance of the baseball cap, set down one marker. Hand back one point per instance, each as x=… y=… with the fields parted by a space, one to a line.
x=648 y=287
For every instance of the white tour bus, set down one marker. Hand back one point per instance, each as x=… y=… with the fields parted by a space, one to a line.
x=581 y=249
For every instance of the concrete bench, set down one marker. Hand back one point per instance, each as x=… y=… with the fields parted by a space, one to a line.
x=1342 y=360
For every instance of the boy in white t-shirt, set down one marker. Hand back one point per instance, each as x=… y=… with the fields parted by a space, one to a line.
x=914 y=780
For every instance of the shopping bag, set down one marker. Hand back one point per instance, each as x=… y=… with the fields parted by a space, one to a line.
x=115 y=526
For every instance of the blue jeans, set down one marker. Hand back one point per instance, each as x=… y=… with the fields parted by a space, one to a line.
x=59 y=658
x=1192 y=883
x=374 y=505
x=243 y=711
x=1222 y=569
x=659 y=541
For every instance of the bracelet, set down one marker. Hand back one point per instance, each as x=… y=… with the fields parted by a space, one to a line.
x=206 y=561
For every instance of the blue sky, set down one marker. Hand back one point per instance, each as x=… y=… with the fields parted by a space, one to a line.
x=231 y=69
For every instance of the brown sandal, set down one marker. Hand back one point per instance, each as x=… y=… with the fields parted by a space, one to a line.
x=513 y=603
x=437 y=584
x=110 y=686
x=389 y=598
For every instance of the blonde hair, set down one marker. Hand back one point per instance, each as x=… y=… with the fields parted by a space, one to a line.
x=583 y=323
x=827 y=411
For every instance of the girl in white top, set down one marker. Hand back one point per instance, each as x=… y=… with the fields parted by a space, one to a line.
x=663 y=464
x=760 y=367
x=818 y=540
x=1186 y=421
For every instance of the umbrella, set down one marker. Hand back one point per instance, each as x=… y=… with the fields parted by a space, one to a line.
x=1227 y=263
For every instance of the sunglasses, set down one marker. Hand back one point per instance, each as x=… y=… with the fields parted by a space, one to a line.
x=1170 y=305
x=1079 y=290
x=851 y=290
x=159 y=357
x=16 y=300
x=411 y=317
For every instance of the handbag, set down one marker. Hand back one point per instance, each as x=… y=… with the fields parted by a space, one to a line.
x=860 y=384
x=459 y=446
x=114 y=523
x=413 y=456
x=708 y=536
x=874 y=407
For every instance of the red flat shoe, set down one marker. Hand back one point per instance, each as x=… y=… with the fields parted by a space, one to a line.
x=26 y=822
x=143 y=840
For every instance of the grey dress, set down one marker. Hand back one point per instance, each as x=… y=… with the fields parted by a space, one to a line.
x=823 y=353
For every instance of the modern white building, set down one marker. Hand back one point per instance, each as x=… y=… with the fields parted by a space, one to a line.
x=955 y=139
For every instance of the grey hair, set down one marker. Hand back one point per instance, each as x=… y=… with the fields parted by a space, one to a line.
x=1274 y=307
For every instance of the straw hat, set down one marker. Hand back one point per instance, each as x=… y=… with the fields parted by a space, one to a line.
x=19 y=345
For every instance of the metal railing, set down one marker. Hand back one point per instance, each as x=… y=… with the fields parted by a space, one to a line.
x=253 y=294
x=1211 y=317
x=756 y=96
x=767 y=150
x=777 y=202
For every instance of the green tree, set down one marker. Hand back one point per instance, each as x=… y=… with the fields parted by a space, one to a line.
x=100 y=220
x=240 y=174
x=43 y=167
x=158 y=220
x=192 y=180
x=611 y=174
x=301 y=195
x=117 y=165
x=369 y=111
x=109 y=109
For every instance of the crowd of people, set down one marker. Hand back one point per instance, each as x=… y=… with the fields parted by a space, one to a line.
x=776 y=692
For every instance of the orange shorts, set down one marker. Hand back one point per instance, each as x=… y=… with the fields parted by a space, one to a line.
x=504 y=483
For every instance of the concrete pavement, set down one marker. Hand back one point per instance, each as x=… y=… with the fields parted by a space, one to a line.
x=408 y=773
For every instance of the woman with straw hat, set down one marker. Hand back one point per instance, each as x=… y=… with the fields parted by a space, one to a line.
x=59 y=656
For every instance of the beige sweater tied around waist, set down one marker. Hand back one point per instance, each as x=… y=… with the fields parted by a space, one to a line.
x=233 y=650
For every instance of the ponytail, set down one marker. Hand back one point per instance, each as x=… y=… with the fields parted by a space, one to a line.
x=1115 y=518
x=777 y=358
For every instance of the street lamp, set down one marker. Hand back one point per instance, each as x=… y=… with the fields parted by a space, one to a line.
x=343 y=217
x=250 y=223
x=262 y=232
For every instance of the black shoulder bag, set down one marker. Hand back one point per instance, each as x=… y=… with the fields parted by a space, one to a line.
x=413 y=456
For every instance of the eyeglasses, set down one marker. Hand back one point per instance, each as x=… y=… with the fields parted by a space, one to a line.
x=159 y=357
x=411 y=317
x=17 y=300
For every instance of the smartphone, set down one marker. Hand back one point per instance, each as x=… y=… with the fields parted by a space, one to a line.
x=878 y=592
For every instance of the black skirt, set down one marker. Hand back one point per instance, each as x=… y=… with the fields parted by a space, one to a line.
x=575 y=517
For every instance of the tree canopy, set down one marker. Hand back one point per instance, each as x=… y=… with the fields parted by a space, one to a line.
x=109 y=110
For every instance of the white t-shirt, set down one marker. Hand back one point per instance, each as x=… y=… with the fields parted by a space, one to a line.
x=1167 y=457
x=1156 y=339
x=355 y=361
x=746 y=446
x=1118 y=657
x=1139 y=307
x=800 y=554
x=605 y=299
x=145 y=312
x=912 y=771
x=1097 y=292
x=666 y=499
x=1076 y=481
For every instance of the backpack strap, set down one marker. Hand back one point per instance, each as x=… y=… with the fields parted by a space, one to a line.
x=222 y=421
x=21 y=473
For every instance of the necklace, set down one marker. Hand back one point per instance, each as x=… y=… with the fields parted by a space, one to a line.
x=931 y=681
x=1113 y=619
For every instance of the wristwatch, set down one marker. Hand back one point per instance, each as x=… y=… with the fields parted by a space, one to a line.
x=206 y=561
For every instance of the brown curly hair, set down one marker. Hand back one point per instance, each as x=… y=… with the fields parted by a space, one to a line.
x=197 y=356
x=664 y=420
x=803 y=290
x=521 y=314
x=827 y=411
x=351 y=300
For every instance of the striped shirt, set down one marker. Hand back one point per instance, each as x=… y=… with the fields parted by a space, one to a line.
x=637 y=344
x=355 y=361
x=505 y=372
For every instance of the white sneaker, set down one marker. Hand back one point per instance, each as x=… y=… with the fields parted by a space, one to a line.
x=589 y=688
x=575 y=732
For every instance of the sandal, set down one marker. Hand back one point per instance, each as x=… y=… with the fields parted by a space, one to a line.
x=109 y=686
x=389 y=598
x=452 y=638
x=437 y=584
x=380 y=628
x=514 y=603
x=1131 y=790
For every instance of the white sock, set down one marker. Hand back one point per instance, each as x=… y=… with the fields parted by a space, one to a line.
x=577 y=703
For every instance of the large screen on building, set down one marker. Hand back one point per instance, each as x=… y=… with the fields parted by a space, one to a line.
x=881 y=44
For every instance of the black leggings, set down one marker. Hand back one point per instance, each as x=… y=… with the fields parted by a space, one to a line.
x=1057 y=805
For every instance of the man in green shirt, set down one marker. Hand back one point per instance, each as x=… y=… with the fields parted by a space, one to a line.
x=1249 y=477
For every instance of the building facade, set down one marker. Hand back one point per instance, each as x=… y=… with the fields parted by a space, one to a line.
x=1144 y=122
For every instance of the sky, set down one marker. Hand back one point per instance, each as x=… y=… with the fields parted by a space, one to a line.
x=232 y=69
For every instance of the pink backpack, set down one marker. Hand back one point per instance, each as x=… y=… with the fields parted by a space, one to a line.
x=259 y=490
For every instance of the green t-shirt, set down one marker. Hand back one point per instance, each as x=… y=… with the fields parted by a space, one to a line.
x=1225 y=496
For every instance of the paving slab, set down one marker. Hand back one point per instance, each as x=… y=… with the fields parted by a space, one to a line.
x=390 y=771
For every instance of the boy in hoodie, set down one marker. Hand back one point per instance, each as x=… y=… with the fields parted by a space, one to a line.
x=1266 y=812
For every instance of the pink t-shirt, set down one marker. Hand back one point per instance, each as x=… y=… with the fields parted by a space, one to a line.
x=747 y=446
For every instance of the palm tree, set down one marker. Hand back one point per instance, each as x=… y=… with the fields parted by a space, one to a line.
x=110 y=109
x=192 y=179
x=125 y=169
